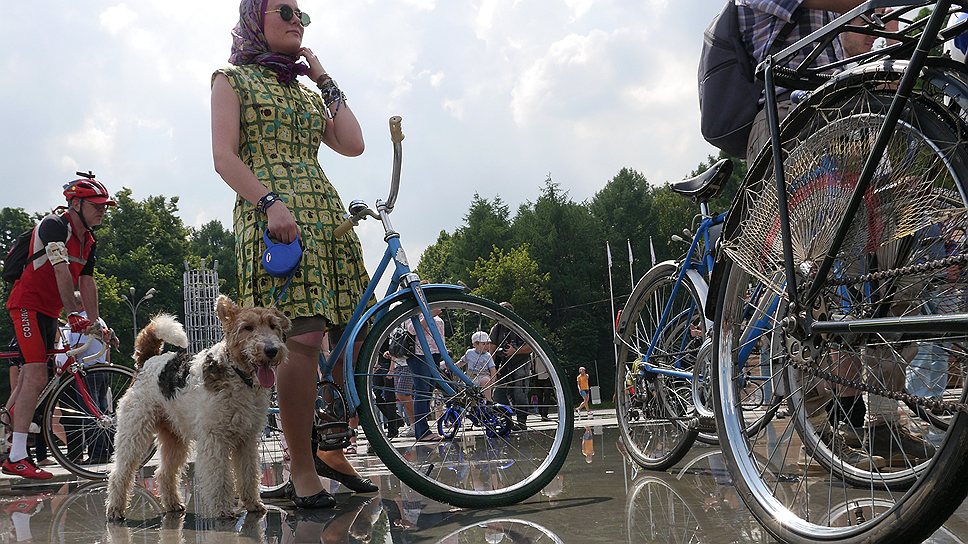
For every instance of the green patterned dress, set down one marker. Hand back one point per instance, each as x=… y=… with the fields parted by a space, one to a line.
x=281 y=129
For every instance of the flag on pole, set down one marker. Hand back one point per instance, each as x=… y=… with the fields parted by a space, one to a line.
x=629 y=242
x=608 y=253
x=652 y=250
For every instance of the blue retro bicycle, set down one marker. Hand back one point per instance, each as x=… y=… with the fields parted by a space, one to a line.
x=529 y=458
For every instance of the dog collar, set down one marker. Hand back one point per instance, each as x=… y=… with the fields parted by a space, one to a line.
x=247 y=380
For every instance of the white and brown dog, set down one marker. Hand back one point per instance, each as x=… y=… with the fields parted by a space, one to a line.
x=217 y=399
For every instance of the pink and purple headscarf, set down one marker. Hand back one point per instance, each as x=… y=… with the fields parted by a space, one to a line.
x=249 y=45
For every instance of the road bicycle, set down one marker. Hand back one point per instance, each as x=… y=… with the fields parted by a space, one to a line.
x=78 y=407
x=530 y=458
x=664 y=380
x=850 y=225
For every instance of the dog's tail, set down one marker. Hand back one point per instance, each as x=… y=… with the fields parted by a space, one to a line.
x=162 y=328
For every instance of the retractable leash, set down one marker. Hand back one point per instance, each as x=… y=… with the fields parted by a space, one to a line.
x=281 y=261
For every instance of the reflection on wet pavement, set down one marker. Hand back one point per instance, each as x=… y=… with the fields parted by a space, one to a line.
x=598 y=496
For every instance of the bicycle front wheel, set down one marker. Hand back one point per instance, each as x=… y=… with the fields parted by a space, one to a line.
x=655 y=412
x=492 y=456
x=826 y=473
x=80 y=419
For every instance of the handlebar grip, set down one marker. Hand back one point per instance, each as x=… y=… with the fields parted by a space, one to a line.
x=344 y=227
x=396 y=133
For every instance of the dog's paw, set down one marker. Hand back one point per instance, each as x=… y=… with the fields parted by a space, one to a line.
x=173 y=507
x=256 y=507
x=115 y=514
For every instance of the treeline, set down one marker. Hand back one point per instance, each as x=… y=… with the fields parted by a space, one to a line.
x=547 y=258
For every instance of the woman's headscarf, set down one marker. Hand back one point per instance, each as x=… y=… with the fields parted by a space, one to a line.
x=249 y=45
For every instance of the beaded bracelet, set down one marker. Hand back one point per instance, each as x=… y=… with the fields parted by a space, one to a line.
x=331 y=94
x=268 y=200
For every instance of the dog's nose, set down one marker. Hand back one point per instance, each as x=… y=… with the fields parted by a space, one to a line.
x=271 y=351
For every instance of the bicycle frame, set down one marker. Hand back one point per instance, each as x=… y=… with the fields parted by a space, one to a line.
x=404 y=284
x=701 y=268
x=955 y=324
x=70 y=365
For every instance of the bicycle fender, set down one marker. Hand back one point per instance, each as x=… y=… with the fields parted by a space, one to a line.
x=398 y=296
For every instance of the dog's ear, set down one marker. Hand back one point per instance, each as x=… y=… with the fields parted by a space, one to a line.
x=281 y=320
x=225 y=309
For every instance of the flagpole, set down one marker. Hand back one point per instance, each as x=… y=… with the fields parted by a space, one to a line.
x=611 y=301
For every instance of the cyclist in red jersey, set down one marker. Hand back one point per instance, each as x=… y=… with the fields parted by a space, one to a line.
x=62 y=256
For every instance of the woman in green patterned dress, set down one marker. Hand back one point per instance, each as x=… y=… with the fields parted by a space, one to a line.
x=266 y=132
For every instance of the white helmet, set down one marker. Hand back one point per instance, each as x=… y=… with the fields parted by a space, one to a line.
x=481 y=336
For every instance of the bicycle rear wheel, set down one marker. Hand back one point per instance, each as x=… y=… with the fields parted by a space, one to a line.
x=655 y=412
x=82 y=442
x=803 y=472
x=485 y=463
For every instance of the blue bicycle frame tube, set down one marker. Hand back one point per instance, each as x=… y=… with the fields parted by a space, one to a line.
x=702 y=233
x=362 y=315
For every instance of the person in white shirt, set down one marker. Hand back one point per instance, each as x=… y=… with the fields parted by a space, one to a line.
x=479 y=363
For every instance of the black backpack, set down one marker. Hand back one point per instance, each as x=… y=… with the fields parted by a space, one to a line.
x=402 y=343
x=18 y=256
x=19 y=253
x=729 y=94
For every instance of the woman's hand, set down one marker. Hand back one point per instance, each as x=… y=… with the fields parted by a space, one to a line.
x=315 y=68
x=282 y=225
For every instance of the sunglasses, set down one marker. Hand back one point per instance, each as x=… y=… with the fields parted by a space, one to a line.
x=286 y=12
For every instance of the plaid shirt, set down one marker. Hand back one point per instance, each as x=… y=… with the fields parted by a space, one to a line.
x=761 y=21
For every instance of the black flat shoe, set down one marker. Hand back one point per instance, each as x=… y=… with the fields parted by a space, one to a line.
x=355 y=483
x=320 y=500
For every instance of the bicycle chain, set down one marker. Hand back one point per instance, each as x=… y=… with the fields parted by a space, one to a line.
x=932 y=404
x=903 y=271
x=813 y=368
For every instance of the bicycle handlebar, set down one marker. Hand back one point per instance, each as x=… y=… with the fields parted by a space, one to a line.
x=81 y=348
x=358 y=209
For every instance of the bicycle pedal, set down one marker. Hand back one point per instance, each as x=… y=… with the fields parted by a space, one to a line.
x=703 y=424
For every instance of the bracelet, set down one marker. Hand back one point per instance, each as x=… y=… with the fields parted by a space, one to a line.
x=322 y=80
x=332 y=95
x=268 y=200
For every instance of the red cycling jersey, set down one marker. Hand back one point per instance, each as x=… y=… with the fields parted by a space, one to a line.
x=36 y=289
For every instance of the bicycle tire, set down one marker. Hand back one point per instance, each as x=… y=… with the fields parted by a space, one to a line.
x=273 y=455
x=81 y=516
x=796 y=493
x=654 y=416
x=484 y=465
x=111 y=382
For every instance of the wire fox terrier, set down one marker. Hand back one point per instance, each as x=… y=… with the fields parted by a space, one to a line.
x=217 y=399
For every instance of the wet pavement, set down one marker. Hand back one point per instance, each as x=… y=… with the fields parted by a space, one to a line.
x=597 y=497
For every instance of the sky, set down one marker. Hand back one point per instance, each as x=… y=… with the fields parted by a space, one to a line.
x=495 y=95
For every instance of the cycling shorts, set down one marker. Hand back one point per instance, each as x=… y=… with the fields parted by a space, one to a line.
x=35 y=334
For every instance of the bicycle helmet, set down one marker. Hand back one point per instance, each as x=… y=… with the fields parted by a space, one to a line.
x=88 y=188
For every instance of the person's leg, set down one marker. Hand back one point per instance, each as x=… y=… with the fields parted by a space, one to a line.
x=336 y=459
x=421 y=401
x=519 y=392
x=296 y=386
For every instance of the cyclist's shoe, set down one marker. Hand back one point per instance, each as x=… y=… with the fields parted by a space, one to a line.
x=898 y=445
x=25 y=468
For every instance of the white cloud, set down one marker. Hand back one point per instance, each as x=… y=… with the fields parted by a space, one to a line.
x=117 y=18
x=495 y=94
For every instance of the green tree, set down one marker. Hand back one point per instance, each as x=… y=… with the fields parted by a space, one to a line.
x=513 y=276
x=437 y=261
x=213 y=242
x=486 y=226
x=566 y=241
x=142 y=245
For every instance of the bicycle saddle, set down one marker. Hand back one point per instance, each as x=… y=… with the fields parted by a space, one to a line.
x=707 y=185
